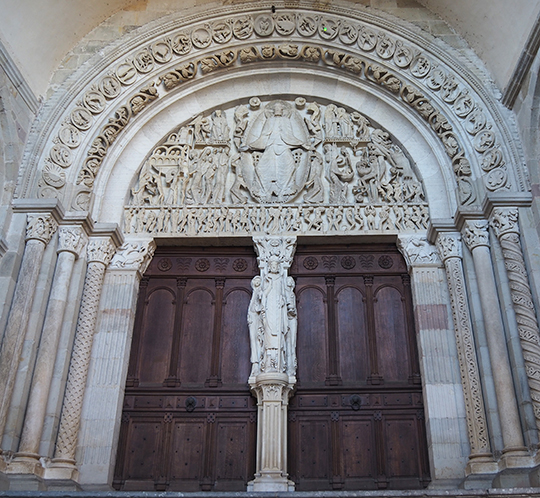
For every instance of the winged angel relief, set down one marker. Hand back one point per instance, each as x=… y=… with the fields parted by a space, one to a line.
x=274 y=167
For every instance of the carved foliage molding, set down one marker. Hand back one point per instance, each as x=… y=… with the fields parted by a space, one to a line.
x=384 y=55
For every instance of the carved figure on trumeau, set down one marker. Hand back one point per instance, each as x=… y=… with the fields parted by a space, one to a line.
x=289 y=153
x=272 y=311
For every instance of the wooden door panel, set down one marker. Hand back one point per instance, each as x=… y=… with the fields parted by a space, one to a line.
x=358 y=450
x=392 y=339
x=352 y=334
x=311 y=343
x=235 y=364
x=189 y=419
x=160 y=309
x=232 y=451
x=187 y=443
x=355 y=419
x=314 y=439
x=143 y=456
x=197 y=330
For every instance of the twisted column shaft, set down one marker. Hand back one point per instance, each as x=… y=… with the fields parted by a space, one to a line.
x=505 y=224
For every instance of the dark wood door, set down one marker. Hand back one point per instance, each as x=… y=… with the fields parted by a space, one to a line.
x=189 y=420
x=356 y=420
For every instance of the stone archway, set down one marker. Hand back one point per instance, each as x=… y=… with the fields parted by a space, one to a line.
x=89 y=144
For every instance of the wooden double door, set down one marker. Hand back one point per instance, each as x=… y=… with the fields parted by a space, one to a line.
x=356 y=419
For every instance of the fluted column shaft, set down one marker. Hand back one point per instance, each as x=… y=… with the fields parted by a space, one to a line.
x=40 y=228
x=476 y=236
x=70 y=242
x=505 y=223
x=100 y=252
x=480 y=459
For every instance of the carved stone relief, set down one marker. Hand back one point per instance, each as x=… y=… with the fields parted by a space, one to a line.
x=381 y=53
x=312 y=167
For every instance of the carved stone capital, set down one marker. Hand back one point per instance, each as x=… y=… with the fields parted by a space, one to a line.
x=505 y=221
x=71 y=239
x=100 y=250
x=40 y=227
x=134 y=255
x=275 y=249
x=418 y=251
x=449 y=245
x=475 y=233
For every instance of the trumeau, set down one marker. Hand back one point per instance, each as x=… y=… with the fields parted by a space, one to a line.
x=374 y=52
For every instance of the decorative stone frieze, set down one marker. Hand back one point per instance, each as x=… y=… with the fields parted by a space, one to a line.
x=99 y=254
x=481 y=459
x=505 y=224
x=272 y=323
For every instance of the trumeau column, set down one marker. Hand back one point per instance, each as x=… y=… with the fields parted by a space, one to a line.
x=481 y=459
x=39 y=231
x=443 y=393
x=104 y=395
x=71 y=240
x=99 y=254
x=272 y=328
x=476 y=237
x=505 y=224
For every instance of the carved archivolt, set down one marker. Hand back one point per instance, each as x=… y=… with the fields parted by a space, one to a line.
x=277 y=167
x=389 y=61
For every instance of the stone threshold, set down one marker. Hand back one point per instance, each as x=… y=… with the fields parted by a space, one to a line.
x=455 y=493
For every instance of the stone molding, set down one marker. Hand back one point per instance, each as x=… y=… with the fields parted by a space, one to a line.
x=475 y=233
x=480 y=460
x=40 y=227
x=417 y=251
x=393 y=48
x=505 y=223
x=133 y=255
x=71 y=239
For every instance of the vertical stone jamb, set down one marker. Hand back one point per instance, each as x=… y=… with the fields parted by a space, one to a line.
x=443 y=393
x=481 y=459
x=71 y=240
x=99 y=254
x=39 y=231
x=505 y=224
x=104 y=395
x=476 y=237
x=272 y=326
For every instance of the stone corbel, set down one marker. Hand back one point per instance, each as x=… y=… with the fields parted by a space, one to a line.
x=134 y=255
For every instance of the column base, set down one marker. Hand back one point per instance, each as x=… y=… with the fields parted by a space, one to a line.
x=480 y=464
x=270 y=483
x=516 y=458
x=25 y=463
x=64 y=470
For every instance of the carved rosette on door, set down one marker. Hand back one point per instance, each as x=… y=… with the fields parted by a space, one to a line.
x=287 y=167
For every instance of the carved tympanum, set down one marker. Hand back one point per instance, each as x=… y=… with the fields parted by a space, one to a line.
x=214 y=172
